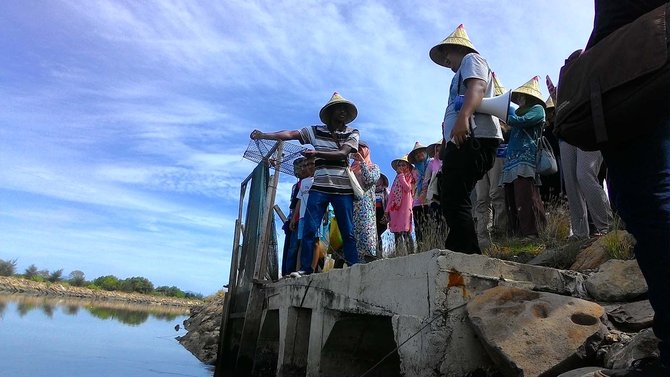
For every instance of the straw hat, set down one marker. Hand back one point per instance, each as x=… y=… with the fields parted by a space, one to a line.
x=433 y=147
x=532 y=88
x=334 y=100
x=411 y=156
x=550 y=103
x=498 y=88
x=395 y=162
x=459 y=37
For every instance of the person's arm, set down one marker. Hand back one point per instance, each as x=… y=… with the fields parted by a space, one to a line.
x=279 y=135
x=428 y=174
x=370 y=176
x=530 y=119
x=476 y=88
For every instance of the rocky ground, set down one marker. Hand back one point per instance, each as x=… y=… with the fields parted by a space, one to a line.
x=23 y=286
x=612 y=328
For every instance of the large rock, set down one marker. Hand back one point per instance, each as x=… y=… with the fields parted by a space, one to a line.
x=642 y=345
x=616 y=280
x=530 y=333
x=590 y=258
x=562 y=257
x=203 y=331
x=632 y=317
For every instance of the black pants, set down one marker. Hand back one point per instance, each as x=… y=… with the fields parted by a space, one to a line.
x=462 y=167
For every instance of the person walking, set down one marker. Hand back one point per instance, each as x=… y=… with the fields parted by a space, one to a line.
x=471 y=138
x=332 y=142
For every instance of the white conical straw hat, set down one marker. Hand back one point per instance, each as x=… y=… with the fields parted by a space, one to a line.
x=531 y=88
x=334 y=100
x=498 y=88
x=458 y=37
x=418 y=147
x=394 y=163
x=432 y=147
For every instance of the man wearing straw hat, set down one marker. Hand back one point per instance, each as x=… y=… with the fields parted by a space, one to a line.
x=471 y=138
x=332 y=145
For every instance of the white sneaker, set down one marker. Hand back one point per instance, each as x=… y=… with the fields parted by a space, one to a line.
x=298 y=274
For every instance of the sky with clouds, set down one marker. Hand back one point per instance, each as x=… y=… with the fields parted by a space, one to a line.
x=123 y=123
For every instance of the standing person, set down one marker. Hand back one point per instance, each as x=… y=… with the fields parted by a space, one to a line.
x=419 y=159
x=399 y=207
x=381 y=198
x=525 y=210
x=298 y=222
x=332 y=145
x=471 y=138
x=290 y=252
x=365 y=227
x=490 y=210
x=585 y=194
x=434 y=237
x=639 y=186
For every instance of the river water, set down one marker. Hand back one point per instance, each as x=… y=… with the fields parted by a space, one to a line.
x=56 y=337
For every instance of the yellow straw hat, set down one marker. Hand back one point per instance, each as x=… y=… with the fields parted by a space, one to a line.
x=395 y=162
x=411 y=156
x=324 y=114
x=531 y=88
x=459 y=37
x=498 y=88
x=432 y=148
x=550 y=103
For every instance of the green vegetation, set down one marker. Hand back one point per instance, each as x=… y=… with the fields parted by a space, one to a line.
x=77 y=278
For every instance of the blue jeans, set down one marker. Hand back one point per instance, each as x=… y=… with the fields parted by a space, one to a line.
x=639 y=187
x=290 y=257
x=343 y=205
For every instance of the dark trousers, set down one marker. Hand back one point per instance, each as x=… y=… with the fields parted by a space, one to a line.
x=421 y=216
x=525 y=210
x=639 y=188
x=461 y=169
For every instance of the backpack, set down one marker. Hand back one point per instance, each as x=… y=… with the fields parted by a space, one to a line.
x=605 y=93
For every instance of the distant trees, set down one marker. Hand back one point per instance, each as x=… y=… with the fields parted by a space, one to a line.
x=7 y=267
x=77 y=278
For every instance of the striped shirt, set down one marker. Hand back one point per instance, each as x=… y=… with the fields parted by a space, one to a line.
x=330 y=177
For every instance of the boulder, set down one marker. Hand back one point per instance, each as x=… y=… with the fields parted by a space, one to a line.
x=632 y=317
x=642 y=345
x=562 y=257
x=590 y=258
x=616 y=281
x=530 y=333
x=202 y=329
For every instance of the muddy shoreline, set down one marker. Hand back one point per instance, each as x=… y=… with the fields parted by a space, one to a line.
x=28 y=287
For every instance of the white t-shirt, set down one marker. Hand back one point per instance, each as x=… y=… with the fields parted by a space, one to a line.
x=303 y=194
x=484 y=125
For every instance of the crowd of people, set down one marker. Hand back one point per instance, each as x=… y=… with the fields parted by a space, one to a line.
x=484 y=159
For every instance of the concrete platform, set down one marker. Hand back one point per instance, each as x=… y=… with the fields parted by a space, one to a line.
x=394 y=317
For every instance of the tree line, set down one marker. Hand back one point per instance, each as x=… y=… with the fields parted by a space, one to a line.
x=76 y=278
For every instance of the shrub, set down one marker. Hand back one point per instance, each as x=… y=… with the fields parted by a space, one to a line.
x=7 y=267
x=30 y=272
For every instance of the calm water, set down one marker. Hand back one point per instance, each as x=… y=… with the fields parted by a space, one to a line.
x=79 y=338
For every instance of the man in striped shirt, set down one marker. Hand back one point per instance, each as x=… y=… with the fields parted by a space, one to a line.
x=332 y=145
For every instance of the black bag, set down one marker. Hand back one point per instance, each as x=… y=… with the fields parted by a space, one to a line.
x=605 y=95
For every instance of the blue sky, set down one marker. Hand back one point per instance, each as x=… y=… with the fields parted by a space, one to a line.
x=123 y=123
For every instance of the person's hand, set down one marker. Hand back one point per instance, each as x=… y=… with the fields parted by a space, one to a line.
x=460 y=131
x=291 y=225
x=308 y=153
x=256 y=134
x=357 y=156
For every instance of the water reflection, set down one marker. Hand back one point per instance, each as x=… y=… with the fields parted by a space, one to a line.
x=131 y=314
